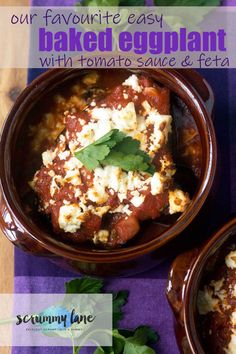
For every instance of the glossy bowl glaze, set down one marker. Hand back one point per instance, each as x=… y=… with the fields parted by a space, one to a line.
x=146 y=250
x=187 y=273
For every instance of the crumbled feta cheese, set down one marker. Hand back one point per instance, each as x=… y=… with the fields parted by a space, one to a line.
x=51 y=173
x=73 y=177
x=70 y=217
x=132 y=81
x=64 y=154
x=125 y=119
x=100 y=211
x=97 y=194
x=48 y=156
x=55 y=184
x=72 y=164
x=206 y=302
x=87 y=135
x=231 y=349
x=82 y=121
x=156 y=184
x=101 y=236
x=146 y=106
x=126 y=210
x=161 y=129
x=230 y=260
x=178 y=201
x=91 y=78
x=110 y=177
x=137 y=200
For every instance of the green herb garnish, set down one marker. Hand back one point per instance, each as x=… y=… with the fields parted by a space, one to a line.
x=124 y=341
x=84 y=285
x=131 y=342
x=116 y=149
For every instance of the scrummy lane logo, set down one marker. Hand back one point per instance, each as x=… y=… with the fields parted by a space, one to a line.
x=58 y=316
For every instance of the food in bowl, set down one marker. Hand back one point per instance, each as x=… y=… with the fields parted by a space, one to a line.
x=28 y=132
x=112 y=167
x=217 y=307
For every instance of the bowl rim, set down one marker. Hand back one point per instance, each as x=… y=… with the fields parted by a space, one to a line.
x=120 y=254
x=212 y=244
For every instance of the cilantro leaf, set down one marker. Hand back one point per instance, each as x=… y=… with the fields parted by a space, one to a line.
x=84 y=285
x=124 y=341
x=119 y=300
x=113 y=134
x=91 y=155
x=116 y=149
x=128 y=162
x=132 y=348
x=143 y=335
x=128 y=145
x=131 y=342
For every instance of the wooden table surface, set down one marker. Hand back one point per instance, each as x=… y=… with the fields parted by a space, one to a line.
x=12 y=82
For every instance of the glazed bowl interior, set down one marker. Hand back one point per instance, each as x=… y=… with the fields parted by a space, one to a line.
x=194 y=152
x=208 y=260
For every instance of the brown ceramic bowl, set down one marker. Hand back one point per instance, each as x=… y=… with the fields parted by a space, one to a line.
x=32 y=234
x=187 y=274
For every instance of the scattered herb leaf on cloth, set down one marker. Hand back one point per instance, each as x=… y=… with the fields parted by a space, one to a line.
x=124 y=341
x=128 y=342
x=84 y=285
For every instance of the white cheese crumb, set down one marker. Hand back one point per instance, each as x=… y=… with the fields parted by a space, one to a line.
x=70 y=217
x=73 y=177
x=91 y=78
x=137 y=201
x=156 y=184
x=55 y=184
x=48 y=156
x=178 y=201
x=230 y=260
x=101 y=236
x=64 y=154
x=100 y=211
x=146 y=106
x=72 y=163
x=231 y=349
x=133 y=82
x=82 y=121
x=161 y=129
x=51 y=173
x=125 y=119
x=206 y=302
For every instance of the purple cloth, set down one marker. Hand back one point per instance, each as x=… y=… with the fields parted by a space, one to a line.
x=147 y=303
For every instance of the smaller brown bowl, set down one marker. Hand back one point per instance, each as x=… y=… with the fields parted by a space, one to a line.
x=33 y=235
x=185 y=277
